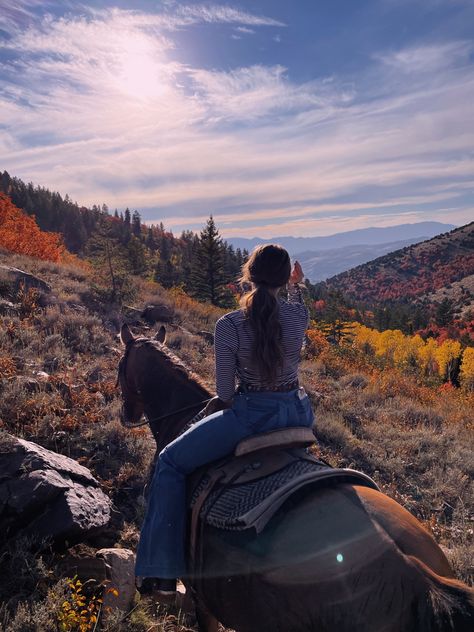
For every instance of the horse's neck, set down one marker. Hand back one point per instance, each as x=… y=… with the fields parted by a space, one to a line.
x=168 y=429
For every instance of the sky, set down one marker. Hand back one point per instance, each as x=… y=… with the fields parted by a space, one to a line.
x=279 y=117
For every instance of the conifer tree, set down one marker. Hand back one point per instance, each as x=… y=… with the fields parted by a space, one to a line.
x=150 y=241
x=207 y=275
x=137 y=256
x=444 y=312
x=127 y=226
x=136 y=224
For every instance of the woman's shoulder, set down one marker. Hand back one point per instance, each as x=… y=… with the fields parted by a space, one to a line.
x=234 y=318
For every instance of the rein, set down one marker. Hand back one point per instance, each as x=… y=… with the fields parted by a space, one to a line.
x=175 y=412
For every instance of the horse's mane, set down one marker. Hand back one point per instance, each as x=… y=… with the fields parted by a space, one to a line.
x=172 y=361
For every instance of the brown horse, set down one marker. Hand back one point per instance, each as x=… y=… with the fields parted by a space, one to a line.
x=339 y=559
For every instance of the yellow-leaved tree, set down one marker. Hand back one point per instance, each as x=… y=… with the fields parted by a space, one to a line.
x=427 y=357
x=391 y=345
x=467 y=368
x=447 y=355
x=365 y=338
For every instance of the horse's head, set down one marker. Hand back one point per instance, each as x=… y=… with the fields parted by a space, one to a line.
x=157 y=385
x=134 y=363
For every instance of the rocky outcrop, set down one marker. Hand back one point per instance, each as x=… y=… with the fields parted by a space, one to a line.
x=46 y=494
x=15 y=280
x=157 y=313
x=18 y=278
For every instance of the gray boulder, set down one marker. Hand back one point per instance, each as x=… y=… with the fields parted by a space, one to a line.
x=17 y=278
x=46 y=494
x=157 y=313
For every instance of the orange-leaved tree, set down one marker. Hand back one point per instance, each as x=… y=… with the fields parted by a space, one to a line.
x=20 y=233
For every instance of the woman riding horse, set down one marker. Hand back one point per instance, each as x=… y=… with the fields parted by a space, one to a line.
x=260 y=345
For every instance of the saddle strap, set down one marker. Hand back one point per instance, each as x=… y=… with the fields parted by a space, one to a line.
x=215 y=476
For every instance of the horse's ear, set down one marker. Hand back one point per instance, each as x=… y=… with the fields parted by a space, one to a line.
x=161 y=334
x=126 y=335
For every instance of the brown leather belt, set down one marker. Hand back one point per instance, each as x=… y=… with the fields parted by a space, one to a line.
x=244 y=387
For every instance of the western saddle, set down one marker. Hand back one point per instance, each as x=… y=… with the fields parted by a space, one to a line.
x=255 y=458
x=252 y=459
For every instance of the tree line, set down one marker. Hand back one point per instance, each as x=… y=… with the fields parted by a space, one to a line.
x=120 y=245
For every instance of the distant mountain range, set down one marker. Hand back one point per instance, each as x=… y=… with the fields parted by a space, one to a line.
x=324 y=257
x=327 y=263
x=442 y=267
x=364 y=236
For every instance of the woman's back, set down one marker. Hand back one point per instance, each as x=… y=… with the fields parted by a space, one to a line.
x=234 y=344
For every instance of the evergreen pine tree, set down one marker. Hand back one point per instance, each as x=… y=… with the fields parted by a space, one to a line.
x=150 y=240
x=231 y=265
x=127 y=226
x=207 y=275
x=137 y=256
x=136 y=224
x=444 y=312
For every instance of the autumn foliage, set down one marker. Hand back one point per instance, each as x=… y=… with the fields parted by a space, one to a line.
x=442 y=359
x=20 y=233
x=413 y=271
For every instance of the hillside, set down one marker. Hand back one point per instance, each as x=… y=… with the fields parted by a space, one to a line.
x=58 y=367
x=150 y=251
x=417 y=273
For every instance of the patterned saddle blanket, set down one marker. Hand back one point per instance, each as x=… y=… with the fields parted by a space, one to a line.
x=248 y=497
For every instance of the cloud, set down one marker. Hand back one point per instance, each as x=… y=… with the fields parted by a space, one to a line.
x=246 y=30
x=96 y=105
x=214 y=13
x=429 y=58
x=15 y=13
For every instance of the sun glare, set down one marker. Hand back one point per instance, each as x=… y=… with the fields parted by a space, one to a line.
x=139 y=71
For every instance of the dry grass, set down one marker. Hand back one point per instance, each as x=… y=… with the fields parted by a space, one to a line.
x=416 y=441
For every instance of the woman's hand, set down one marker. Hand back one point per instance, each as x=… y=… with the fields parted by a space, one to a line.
x=297 y=273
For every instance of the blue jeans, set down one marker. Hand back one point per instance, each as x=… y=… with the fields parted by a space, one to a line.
x=162 y=549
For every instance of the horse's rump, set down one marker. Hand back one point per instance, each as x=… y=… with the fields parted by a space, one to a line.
x=323 y=564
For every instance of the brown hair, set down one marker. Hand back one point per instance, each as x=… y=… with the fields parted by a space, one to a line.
x=268 y=267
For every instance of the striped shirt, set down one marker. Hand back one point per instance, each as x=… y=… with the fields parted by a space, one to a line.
x=234 y=342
